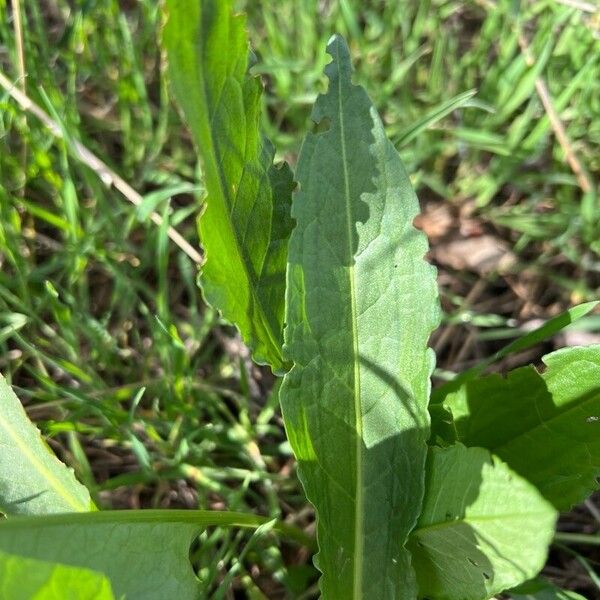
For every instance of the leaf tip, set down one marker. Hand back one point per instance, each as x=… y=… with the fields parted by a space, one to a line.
x=338 y=49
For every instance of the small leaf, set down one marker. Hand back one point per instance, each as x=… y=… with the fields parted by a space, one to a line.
x=483 y=528
x=27 y=579
x=361 y=305
x=32 y=480
x=545 y=426
x=245 y=226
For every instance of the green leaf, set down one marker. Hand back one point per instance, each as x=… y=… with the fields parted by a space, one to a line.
x=540 y=589
x=361 y=305
x=483 y=528
x=545 y=426
x=546 y=331
x=32 y=480
x=30 y=579
x=246 y=224
x=145 y=554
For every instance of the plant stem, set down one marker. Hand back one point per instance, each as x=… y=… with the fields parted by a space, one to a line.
x=577 y=538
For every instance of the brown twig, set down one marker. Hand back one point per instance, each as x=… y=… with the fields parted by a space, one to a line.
x=559 y=130
x=107 y=176
x=583 y=6
x=18 y=29
x=21 y=74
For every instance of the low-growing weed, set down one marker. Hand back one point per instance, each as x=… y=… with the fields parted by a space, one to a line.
x=451 y=495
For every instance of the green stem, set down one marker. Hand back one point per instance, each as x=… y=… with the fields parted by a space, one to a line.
x=577 y=538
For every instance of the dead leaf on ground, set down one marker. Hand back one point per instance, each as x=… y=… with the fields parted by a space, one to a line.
x=436 y=220
x=482 y=254
x=576 y=337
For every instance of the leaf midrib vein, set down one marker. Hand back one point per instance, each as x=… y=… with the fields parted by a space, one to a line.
x=359 y=505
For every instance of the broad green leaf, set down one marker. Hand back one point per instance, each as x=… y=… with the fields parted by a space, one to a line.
x=245 y=227
x=32 y=480
x=360 y=307
x=144 y=554
x=30 y=579
x=483 y=528
x=546 y=331
x=545 y=426
x=540 y=589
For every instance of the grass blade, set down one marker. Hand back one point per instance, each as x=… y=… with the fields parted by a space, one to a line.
x=433 y=116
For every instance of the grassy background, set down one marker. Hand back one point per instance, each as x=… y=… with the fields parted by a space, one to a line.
x=138 y=384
